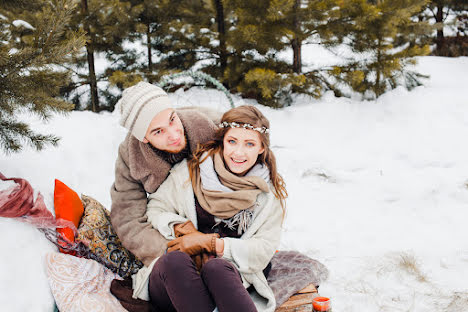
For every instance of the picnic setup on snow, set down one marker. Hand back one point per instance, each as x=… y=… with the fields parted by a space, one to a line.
x=90 y=256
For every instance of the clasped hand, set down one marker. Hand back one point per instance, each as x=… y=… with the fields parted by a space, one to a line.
x=201 y=247
x=194 y=243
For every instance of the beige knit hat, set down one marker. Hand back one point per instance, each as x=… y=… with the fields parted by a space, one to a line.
x=138 y=106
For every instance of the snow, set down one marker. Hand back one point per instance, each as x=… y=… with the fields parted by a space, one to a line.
x=7 y=185
x=21 y=23
x=378 y=191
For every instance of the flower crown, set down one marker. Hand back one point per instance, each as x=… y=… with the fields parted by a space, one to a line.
x=233 y=124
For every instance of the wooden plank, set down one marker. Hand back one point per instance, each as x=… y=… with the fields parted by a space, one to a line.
x=300 y=302
x=309 y=289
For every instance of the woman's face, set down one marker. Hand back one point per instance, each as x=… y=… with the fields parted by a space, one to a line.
x=241 y=148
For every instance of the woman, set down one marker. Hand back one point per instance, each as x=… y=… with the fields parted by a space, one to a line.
x=222 y=212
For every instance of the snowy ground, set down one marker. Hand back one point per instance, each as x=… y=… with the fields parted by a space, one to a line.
x=378 y=192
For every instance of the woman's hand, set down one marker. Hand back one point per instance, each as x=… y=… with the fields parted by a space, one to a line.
x=219 y=247
x=200 y=259
x=194 y=243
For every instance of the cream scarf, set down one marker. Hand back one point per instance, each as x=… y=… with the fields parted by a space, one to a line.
x=226 y=195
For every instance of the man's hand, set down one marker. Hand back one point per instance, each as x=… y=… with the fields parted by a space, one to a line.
x=185 y=228
x=194 y=243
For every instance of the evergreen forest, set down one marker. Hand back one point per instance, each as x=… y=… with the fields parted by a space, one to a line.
x=60 y=55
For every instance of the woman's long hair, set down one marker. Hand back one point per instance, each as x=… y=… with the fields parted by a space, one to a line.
x=244 y=114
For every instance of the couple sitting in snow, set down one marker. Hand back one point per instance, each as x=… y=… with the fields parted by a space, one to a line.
x=211 y=223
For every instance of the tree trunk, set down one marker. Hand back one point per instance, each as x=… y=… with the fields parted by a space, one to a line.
x=222 y=36
x=150 y=59
x=92 y=79
x=90 y=55
x=378 y=88
x=297 y=63
x=296 y=43
x=440 y=40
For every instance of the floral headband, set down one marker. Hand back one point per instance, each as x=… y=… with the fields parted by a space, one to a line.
x=233 y=124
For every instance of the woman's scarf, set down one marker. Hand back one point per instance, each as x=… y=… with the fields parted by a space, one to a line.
x=226 y=195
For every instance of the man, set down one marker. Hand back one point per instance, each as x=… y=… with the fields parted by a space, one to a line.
x=158 y=138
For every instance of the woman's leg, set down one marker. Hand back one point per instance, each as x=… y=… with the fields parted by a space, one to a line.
x=225 y=285
x=175 y=285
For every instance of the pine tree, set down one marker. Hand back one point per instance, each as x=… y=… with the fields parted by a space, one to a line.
x=312 y=22
x=253 y=68
x=258 y=31
x=235 y=41
x=385 y=35
x=149 y=28
x=107 y=24
x=185 y=33
x=438 y=11
x=34 y=42
x=174 y=33
x=309 y=20
x=189 y=36
x=219 y=37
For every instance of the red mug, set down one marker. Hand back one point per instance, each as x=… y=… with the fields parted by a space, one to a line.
x=321 y=304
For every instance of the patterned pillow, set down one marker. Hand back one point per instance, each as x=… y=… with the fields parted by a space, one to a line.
x=80 y=285
x=95 y=230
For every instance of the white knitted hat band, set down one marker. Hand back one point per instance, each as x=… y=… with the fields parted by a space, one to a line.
x=146 y=114
x=138 y=106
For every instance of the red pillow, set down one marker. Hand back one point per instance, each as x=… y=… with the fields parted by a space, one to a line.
x=68 y=206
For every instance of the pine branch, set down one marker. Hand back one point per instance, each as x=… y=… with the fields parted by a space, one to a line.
x=433 y=12
x=197 y=76
x=447 y=14
x=30 y=84
x=13 y=134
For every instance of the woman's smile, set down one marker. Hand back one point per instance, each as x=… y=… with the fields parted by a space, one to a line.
x=241 y=148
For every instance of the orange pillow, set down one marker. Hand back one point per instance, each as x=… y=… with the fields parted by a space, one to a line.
x=68 y=206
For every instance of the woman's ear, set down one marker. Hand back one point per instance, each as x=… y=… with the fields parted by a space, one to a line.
x=262 y=150
x=263 y=156
x=145 y=140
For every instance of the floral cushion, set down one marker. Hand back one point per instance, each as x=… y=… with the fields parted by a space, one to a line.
x=95 y=230
x=80 y=285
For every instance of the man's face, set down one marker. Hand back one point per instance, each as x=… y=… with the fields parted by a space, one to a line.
x=166 y=132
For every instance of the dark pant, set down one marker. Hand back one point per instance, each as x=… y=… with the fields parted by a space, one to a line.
x=176 y=285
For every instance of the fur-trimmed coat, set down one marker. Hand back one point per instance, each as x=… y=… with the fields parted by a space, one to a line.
x=174 y=202
x=138 y=171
